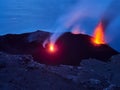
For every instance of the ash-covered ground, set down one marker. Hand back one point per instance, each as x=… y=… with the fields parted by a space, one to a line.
x=21 y=72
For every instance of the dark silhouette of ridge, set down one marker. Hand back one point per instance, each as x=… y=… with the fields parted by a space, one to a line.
x=71 y=48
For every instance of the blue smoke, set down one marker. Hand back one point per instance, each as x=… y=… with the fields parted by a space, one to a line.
x=85 y=13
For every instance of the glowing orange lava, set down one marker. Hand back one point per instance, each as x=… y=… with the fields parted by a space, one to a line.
x=98 y=36
x=51 y=47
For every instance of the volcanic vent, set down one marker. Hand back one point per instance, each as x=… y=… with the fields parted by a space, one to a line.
x=69 y=48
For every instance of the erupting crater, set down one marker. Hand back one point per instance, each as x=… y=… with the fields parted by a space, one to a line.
x=69 y=48
x=98 y=36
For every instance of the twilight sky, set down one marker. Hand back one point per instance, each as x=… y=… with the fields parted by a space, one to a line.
x=18 y=16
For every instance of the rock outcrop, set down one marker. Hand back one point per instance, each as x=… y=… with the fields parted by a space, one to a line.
x=21 y=72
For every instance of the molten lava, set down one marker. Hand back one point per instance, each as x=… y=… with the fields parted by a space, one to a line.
x=98 y=36
x=51 y=47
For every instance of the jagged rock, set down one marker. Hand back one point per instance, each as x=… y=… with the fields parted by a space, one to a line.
x=19 y=75
x=22 y=72
x=111 y=87
x=114 y=68
x=33 y=65
x=115 y=57
x=110 y=71
x=94 y=84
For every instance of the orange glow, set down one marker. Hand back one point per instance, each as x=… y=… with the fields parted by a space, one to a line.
x=76 y=30
x=51 y=47
x=98 y=36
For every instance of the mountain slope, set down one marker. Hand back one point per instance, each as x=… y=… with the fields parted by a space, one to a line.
x=71 y=48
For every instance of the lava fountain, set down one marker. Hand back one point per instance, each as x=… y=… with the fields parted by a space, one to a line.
x=98 y=35
x=51 y=48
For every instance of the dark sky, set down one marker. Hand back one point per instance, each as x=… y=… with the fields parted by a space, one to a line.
x=18 y=16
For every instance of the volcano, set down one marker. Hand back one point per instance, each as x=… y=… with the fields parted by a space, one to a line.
x=70 y=48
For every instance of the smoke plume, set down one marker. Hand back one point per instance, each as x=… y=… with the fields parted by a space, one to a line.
x=74 y=17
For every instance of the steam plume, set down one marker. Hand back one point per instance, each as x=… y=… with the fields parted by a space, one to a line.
x=83 y=8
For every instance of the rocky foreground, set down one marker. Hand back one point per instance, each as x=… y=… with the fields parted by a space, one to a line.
x=21 y=72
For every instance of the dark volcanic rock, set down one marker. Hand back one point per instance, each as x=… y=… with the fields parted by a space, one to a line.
x=71 y=48
x=21 y=72
x=77 y=47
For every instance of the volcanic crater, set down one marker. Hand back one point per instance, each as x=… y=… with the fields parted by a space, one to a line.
x=70 y=48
